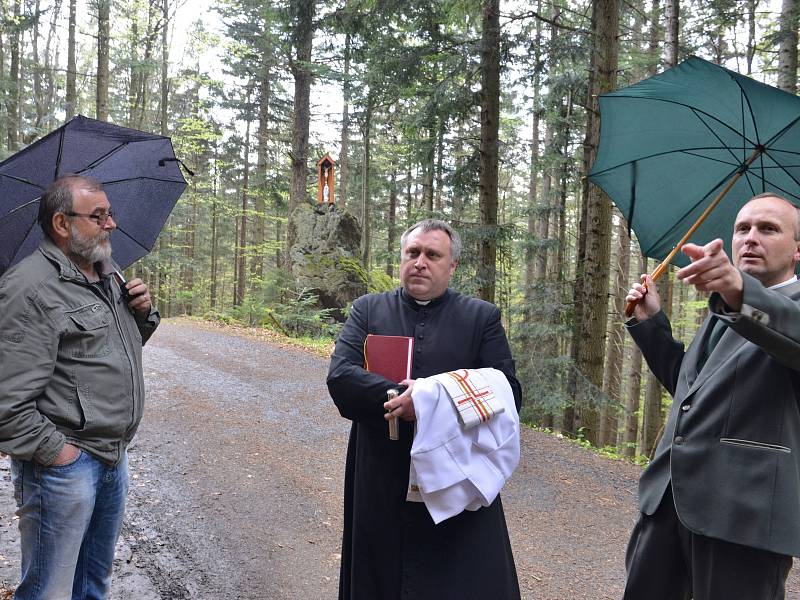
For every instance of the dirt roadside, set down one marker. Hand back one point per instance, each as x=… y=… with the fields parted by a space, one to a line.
x=236 y=479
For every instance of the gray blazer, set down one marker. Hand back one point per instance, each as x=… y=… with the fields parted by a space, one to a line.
x=731 y=444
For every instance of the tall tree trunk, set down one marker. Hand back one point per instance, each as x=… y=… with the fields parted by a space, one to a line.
x=12 y=104
x=134 y=67
x=344 y=165
x=392 y=233
x=51 y=57
x=259 y=223
x=303 y=40
x=241 y=274
x=751 y=34
x=787 y=54
x=579 y=281
x=631 y=433
x=544 y=209
x=612 y=378
x=191 y=248
x=214 y=227
x=489 y=147
x=671 y=37
x=591 y=342
x=428 y=169
x=101 y=98
x=653 y=417
x=437 y=199
x=533 y=177
x=366 y=201
x=409 y=196
x=164 y=66
x=71 y=100
x=36 y=72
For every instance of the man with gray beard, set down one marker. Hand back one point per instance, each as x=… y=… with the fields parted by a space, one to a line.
x=71 y=392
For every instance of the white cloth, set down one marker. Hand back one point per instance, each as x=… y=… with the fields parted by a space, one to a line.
x=455 y=469
x=471 y=395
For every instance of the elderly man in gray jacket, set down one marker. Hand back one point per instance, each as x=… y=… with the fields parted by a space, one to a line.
x=71 y=392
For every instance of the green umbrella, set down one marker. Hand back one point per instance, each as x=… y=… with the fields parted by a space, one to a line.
x=676 y=144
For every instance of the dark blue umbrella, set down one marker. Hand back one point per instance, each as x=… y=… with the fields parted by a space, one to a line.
x=138 y=170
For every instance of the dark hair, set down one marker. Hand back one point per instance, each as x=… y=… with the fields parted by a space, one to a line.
x=57 y=198
x=436 y=225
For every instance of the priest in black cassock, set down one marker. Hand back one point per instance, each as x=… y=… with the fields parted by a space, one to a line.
x=391 y=548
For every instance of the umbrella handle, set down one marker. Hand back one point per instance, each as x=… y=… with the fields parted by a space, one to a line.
x=629 y=306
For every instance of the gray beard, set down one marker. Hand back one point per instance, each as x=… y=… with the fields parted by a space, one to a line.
x=88 y=249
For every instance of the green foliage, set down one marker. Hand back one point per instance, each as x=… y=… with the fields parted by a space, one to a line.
x=379 y=281
x=300 y=317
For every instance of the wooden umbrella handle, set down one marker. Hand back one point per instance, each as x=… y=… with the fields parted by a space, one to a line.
x=629 y=306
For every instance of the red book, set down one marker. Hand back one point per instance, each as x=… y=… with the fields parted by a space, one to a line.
x=389 y=355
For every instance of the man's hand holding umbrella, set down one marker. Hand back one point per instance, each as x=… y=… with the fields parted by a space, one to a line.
x=140 y=301
x=710 y=271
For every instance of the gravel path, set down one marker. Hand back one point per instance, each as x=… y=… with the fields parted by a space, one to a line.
x=237 y=477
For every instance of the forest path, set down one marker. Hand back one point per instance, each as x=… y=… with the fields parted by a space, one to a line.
x=236 y=486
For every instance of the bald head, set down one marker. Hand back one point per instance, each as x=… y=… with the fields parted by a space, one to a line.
x=780 y=199
x=766 y=239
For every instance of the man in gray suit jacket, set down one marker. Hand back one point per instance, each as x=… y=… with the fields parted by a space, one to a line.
x=720 y=502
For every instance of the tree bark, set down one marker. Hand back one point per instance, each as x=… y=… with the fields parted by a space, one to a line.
x=164 y=104
x=489 y=148
x=633 y=398
x=260 y=208
x=303 y=40
x=751 y=34
x=344 y=165
x=12 y=102
x=214 y=226
x=428 y=169
x=49 y=93
x=101 y=98
x=612 y=378
x=36 y=73
x=653 y=417
x=533 y=178
x=591 y=341
x=392 y=233
x=787 y=54
x=366 y=201
x=437 y=199
x=241 y=274
x=71 y=100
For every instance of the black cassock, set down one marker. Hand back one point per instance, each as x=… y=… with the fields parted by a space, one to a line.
x=391 y=548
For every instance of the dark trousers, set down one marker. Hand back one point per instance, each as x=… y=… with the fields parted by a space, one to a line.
x=666 y=561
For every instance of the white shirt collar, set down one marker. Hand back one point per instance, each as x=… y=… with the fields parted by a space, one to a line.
x=789 y=281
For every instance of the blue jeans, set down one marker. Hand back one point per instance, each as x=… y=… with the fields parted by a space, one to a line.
x=70 y=517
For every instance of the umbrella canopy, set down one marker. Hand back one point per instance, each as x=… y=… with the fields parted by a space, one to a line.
x=138 y=170
x=670 y=144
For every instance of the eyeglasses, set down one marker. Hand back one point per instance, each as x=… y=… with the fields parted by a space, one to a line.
x=100 y=218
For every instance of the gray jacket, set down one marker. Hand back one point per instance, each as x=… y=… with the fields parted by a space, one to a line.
x=70 y=360
x=731 y=445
